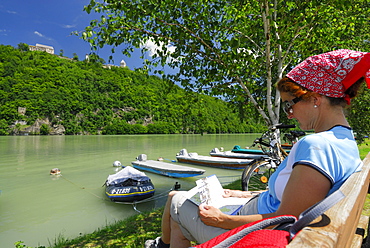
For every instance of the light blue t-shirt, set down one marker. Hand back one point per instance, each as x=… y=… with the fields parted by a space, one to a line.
x=333 y=153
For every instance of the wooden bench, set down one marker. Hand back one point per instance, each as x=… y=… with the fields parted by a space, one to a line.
x=343 y=225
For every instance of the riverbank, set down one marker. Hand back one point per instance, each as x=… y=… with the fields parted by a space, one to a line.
x=133 y=231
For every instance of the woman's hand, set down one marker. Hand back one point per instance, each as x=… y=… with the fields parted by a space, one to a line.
x=210 y=216
x=228 y=193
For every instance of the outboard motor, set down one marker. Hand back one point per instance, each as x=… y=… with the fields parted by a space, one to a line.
x=142 y=157
x=117 y=164
x=215 y=150
x=183 y=152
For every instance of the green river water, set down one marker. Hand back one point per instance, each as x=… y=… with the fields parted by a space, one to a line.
x=37 y=208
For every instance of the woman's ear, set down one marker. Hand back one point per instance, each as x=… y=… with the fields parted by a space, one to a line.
x=317 y=99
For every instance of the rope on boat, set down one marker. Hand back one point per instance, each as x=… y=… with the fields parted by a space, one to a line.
x=81 y=187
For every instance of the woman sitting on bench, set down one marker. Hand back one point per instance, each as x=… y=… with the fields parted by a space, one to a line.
x=314 y=93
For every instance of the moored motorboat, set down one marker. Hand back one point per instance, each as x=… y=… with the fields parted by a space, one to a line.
x=129 y=185
x=218 y=162
x=238 y=149
x=165 y=169
x=215 y=152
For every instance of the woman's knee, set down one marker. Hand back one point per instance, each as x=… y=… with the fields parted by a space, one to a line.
x=172 y=193
x=170 y=196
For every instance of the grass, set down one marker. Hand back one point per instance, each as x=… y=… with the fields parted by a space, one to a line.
x=133 y=231
x=364 y=149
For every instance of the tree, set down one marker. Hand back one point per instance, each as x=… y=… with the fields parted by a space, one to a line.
x=23 y=47
x=231 y=48
x=44 y=129
x=4 y=127
x=94 y=58
x=75 y=56
x=359 y=109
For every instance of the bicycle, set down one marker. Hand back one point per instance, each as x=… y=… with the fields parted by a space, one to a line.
x=256 y=175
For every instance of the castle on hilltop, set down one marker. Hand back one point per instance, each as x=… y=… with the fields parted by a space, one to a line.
x=122 y=64
x=50 y=49
x=43 y=48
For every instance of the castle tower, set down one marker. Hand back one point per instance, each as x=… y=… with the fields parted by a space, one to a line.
x=122 y=64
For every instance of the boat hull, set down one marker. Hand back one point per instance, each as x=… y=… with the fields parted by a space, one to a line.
x=130 y=193
x=229 y=154
x=217 y=162
x=166 y=172
x=167 y=169
x=214 y=164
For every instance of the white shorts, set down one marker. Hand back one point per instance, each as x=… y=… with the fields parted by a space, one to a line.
x=185 y=213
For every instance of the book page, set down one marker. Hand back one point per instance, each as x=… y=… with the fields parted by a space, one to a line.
x=210 y=192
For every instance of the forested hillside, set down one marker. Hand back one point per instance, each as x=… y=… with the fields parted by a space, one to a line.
x=42 y=93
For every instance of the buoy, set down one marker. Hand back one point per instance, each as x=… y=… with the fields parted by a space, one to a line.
x=117 y=164
x=54 y=171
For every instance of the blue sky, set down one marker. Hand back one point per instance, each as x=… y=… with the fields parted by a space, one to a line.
x=50 y=22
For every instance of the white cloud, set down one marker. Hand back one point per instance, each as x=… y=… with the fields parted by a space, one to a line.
x=11 y=12
x=153 y=48
x=68 y=26
x=41 y=35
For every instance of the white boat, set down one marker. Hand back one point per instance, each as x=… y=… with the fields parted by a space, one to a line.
x=218 y=162
x=164 y=168
x=215 y=152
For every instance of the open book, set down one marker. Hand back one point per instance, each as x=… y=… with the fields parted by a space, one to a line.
x=209 y=191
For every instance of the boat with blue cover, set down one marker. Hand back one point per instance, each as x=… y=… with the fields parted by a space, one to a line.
x=129 y=185
x=238 y=149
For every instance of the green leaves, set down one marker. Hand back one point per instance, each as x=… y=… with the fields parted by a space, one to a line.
x=218 y=42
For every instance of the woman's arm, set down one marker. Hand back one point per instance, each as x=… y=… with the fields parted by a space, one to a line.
x=240 y=194
x=212 y=216
x=305 y=187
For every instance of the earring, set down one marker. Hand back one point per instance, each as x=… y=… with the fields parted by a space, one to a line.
x=315 y=106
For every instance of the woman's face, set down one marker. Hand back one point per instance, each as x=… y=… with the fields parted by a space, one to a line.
x=300 y=110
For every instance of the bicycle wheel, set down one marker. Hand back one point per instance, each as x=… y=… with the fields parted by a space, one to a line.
x=256 y=175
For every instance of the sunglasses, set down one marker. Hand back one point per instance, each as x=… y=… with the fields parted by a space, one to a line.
x=287 y=105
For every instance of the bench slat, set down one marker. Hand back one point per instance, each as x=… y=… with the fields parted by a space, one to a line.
x=361 y=227
x=344 y=216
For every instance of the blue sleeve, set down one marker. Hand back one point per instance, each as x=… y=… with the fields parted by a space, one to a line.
x=335 y=158
x=318 y=154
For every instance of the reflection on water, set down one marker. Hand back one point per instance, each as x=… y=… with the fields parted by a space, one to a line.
x=36 y=207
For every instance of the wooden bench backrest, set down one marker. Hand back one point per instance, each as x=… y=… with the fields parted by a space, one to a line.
x=343 y=216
